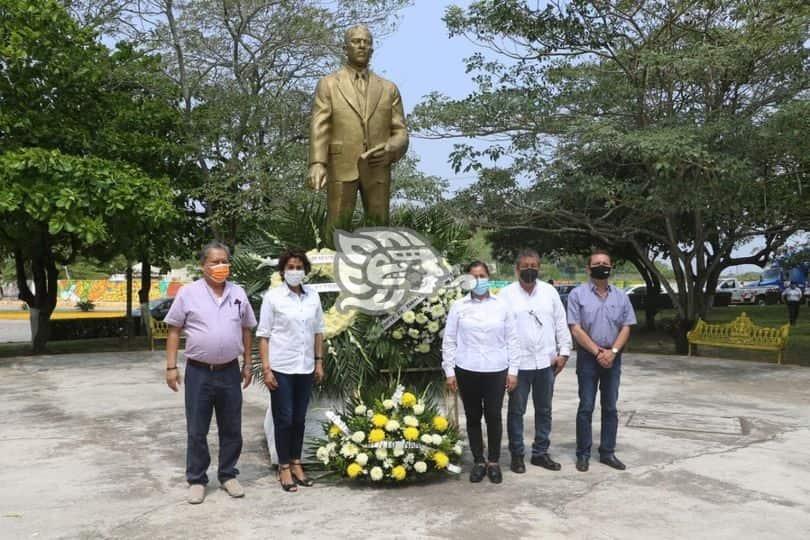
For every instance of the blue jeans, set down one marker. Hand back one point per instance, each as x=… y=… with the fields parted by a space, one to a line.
x=207 y=391
x=590 y=374
x=289 y=403
x=541 y=384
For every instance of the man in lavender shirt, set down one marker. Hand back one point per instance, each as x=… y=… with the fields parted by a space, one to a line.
x=218 y=322
x=600 y=316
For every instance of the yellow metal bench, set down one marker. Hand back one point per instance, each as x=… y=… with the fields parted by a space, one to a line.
x=741 y=333
x=158 y=330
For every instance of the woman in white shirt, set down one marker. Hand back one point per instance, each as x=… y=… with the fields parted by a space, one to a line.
x=290 y=335
x=480 y=360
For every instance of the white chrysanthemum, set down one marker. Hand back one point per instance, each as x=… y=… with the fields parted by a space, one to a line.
x=358 y=437
x=389 y=404
x=369 y=413
x=411 y=421
x=387 y=464
x=420 y=467
x=437 y=311
x=323 y=455
x=376 y=474
x=391 y=425
x=423 y=348
x=361 y=459
x=421 y=318
x=408 y=317
x=433 y=327
x=433 y=299
x=426 y=439
x=457 y=449
x=348 y=450
x=436 y=439
x=360 y=409
x=330 y=447
x=410 y=458
x=397 y=334
x=381 y=453
x=399 y=451
x=419 y=408
x=414 y=333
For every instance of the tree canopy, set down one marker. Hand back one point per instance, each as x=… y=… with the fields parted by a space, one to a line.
x=660 y=128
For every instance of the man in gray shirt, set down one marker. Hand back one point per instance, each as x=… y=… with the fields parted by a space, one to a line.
x=600 y=316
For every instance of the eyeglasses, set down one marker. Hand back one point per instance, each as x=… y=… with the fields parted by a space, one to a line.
x=536 y=318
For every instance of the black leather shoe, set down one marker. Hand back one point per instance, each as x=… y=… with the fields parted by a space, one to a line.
x=478 y=472
x=612 y=461
x=545 y=461
x=582 y=464
x=494 y=474
x=517 y=465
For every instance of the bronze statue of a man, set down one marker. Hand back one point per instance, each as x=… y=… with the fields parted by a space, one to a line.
x=358 y=131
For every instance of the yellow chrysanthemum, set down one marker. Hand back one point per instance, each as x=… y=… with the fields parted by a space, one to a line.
x=440 y=423
x=334 y=431
x=337 y=322
x=399 y=473
x=407 y=400
x=379 y=420
x=353 y=470
x=376 y=435
x=441 y=460
x=410 y=433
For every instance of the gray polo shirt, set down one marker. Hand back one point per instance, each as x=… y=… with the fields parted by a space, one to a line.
x=601 y=318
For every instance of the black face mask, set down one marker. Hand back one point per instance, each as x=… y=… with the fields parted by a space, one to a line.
x=600 y=272
x=528 y=275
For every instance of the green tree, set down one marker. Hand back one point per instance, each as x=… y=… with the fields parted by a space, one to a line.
x=82 y=146
x=665 y=128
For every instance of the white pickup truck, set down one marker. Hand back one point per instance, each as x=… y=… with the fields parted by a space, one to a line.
x=750 y=294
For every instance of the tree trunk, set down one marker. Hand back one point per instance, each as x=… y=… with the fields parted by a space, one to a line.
x=42 y=300
x=143 y=295
x=130 y=326
x=682 y=326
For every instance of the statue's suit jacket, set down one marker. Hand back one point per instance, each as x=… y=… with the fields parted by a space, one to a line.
x=340 y=131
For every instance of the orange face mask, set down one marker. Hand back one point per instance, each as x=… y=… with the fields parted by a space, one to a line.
x=219 y=272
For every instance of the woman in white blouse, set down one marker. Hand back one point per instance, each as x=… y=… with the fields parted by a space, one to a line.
x=290 y=335
x=480 y=360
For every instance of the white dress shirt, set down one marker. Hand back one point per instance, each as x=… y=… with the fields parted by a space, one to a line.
x=542 y=328
x=480 y=335
x=290 y=321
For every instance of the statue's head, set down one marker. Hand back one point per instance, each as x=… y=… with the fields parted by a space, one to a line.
x=358 y=45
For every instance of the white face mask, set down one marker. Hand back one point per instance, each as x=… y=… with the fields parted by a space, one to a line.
x=293 y=277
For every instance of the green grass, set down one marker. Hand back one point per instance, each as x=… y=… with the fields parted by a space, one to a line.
x=798 y=349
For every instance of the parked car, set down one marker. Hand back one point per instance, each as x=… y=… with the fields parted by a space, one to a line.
x=638 y=297
x=158 y=308
x=750 y=294
x=564 y=291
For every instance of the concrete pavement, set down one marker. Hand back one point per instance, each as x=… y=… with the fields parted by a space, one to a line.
x=94 y=446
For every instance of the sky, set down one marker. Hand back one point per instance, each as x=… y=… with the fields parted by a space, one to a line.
x=420 y=58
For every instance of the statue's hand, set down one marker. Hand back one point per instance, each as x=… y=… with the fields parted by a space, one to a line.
x=381 y=157
x=317 y=176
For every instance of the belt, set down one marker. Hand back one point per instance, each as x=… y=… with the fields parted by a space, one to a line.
x=212 y=367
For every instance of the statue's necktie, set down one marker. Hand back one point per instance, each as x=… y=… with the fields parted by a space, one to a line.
x=360 y=84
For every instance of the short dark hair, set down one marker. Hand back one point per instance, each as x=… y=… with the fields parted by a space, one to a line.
x=293 y=253
x=213 y=244
x=525 y=254
x=476 y=264
x=599 y=251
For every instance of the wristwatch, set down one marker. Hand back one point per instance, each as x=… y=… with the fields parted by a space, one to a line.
x=614 y=350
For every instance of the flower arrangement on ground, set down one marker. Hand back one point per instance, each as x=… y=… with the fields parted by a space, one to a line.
x=396 y=439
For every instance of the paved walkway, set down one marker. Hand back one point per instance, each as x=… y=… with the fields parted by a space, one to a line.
x=93 y=447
